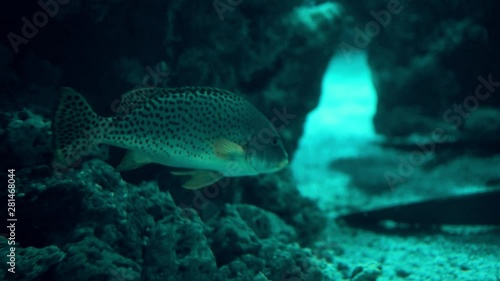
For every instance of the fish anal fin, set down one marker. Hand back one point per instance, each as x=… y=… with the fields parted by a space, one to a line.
x=133 y=160
x=199 y=178
x=226 y=149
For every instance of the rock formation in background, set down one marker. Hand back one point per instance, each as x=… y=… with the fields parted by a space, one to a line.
x=427 y=61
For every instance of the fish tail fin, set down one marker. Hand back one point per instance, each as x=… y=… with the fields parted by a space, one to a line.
x=77 y=129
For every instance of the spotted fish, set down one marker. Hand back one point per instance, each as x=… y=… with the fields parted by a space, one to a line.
x=212 y=132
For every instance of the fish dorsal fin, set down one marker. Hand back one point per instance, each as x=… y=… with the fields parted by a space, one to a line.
x=133 y=160
x=199 y=178
x=135 y=97
x=226 y=149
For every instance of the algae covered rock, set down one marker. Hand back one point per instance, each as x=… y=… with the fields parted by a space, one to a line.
x=367 y=272
x=251 y=244
x=278 y=194
x=103 y=227
x=92 y=259
x=39 y=261
x=432 y=64
x=26 y=139
x=239 y=229
x=179 y=250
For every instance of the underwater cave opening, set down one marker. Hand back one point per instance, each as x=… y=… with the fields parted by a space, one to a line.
x=340 y=126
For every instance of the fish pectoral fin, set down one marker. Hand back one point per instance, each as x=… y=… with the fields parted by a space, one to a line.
x=226 y=149
x=199 y=178
x=133 y=160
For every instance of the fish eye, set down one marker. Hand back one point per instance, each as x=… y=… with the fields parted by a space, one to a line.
x=275 y=141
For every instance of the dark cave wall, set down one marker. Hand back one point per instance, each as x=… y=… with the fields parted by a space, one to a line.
x=426 y=64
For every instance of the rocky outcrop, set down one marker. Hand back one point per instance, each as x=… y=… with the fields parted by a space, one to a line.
x=433 y=64
x=96 y=226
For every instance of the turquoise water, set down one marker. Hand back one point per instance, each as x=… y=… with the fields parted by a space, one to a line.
x=388 y=110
